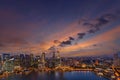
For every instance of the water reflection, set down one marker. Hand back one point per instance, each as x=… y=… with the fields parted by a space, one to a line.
x=75 y=75
x=51 y=75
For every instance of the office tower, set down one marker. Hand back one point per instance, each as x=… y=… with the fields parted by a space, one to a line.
x=58 y=58
x=22 y=60
x=27 y=61
x=16 y=60
x=8 y=65
x=43 y=59
x=5 y=56
x=31 y=59
x=52 y=60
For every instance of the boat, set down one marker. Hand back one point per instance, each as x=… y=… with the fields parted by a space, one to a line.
x=100 y=74
x=113 y=76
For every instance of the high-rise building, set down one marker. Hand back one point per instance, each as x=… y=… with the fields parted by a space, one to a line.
x=5 y=56
x=56 y=59
x=8 y=65
x=16 y=60
x=51 y=62
x=31 y=59
x=27 y=61
x=43 y=59
x=22 y=60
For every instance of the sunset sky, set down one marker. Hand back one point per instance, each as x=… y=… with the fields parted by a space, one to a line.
x=75 y=27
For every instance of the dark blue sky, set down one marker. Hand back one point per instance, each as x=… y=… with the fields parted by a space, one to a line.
x=74 y=26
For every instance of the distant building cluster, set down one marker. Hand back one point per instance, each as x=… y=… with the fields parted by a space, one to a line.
x=116 y=59
x=9 y=62
x=25 y=63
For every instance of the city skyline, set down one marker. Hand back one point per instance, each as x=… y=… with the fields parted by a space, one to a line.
x=76 y=28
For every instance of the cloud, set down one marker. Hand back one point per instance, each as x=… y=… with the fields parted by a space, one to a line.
x=56 y=41
x=65 y=43
x=52 y=48
x=91 y=31
x=81 y=35
x=17 y=31
x=98 y=45
x=19 y=35
x=92 y=27
x=104 y=38
x=67 y=35
x=104 y=20
x=71 y=38
x=88 y=24
x=82 y=21
x=98 y=23
x=95 y=45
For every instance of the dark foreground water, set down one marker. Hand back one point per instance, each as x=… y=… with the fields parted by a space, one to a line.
x=74 y=75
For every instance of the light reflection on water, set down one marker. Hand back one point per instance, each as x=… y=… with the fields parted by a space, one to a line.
x=74 y=75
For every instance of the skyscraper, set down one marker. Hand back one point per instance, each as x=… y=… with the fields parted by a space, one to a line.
x=5 y=56
x=58 y=58
x=8 y=65
x=27 y=61
x=31 y=59
x=22 y=60
x=43 y=59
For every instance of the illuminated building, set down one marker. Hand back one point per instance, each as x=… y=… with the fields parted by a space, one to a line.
x=96 y=62
x=84 y=65
x=8 y=65
x=31 y=59
x=17 y=60
x=56 y=60
x=27 y=61
x=22 y=60
x=5 y=56
x=42 y=61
